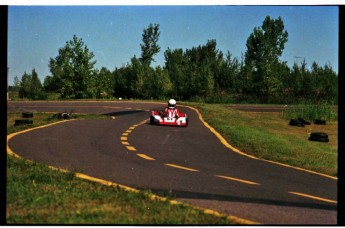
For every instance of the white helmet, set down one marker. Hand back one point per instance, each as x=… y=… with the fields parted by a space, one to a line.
x=171 y=103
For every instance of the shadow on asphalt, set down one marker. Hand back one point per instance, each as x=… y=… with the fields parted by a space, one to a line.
x=121 y=113
x=208 y=196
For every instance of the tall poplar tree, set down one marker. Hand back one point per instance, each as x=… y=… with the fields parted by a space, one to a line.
x=264 y=47
x=150 y=46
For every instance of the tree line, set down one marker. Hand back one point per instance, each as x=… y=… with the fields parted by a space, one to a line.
x=202 y=73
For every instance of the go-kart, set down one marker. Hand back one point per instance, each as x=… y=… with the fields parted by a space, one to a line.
x=159 y=118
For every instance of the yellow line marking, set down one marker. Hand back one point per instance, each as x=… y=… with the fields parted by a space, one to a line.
x=131 y=148
x=128 y=131
x=146 y=157
x=236 y=179
x=131 y=128
x=164 y=199
x=219 y=136
x=123 y=138
x=314 y=197
x=301 y=169
x=10 y=152
x=125 y=143
x=182 y=167
x=226 y=144
x=125 y=134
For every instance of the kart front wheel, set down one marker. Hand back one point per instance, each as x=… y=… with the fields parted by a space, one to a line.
x=152 y=120
x=186 y=122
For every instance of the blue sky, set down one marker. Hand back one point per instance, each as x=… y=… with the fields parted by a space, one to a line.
x=114 y=33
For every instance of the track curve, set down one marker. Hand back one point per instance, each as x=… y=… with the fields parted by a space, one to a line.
x=191 y=164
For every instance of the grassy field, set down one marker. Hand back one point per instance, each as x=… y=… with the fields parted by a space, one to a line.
x=36 y=194
x=269 y=136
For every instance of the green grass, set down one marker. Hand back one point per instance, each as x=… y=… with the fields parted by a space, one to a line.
x=39 y=195
x=268 y=136
x=311 y=112
x=36 y=194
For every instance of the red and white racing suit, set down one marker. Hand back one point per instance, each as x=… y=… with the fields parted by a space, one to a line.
x=171 y=112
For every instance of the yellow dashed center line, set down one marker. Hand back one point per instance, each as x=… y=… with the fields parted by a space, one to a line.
x=238 y=180
x=131 y=148
x=146 y=157
x=124 y=140
x=314 y=197
x=182 y=167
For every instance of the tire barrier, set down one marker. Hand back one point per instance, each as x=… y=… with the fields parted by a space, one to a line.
x=296 y=122
x=314 y=136
x=23 y=122
x=319 y=137
x=320 y=122
x=303 y=121
x=27 y=115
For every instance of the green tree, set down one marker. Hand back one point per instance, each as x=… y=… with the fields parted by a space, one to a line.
x=25 y=84
x=176 y=65
x=324 y=83
x=104 y=83
x=121 y=84
x=30 y=87
x=158 y=84
x=36 y=89
x=150 y=46
x=264 y=47
x=74 y=67
x=52 y=84
x=16 y=84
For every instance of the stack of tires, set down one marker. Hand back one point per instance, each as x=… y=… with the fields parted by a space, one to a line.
x=314 y=136
x=319 y=137
x=25 y=121
x=298 y=122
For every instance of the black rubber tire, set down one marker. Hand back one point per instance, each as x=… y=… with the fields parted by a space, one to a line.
x=320 y=122
x=27 y=115
x=152 y=120
x=186 y=122
x=318 y=139
x=303 y=121
x=319 y=135
x=23 y=122
x=295 y=122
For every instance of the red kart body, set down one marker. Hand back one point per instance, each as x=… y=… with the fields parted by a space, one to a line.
x=159 y=118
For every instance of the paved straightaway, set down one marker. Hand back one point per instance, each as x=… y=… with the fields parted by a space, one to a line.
x=191 y=164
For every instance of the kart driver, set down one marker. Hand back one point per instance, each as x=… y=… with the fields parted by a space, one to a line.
x=171 y=111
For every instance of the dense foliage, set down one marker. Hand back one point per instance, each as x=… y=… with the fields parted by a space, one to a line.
x=200 y=73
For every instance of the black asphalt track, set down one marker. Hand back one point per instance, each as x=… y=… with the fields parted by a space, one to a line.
x=189 y=164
